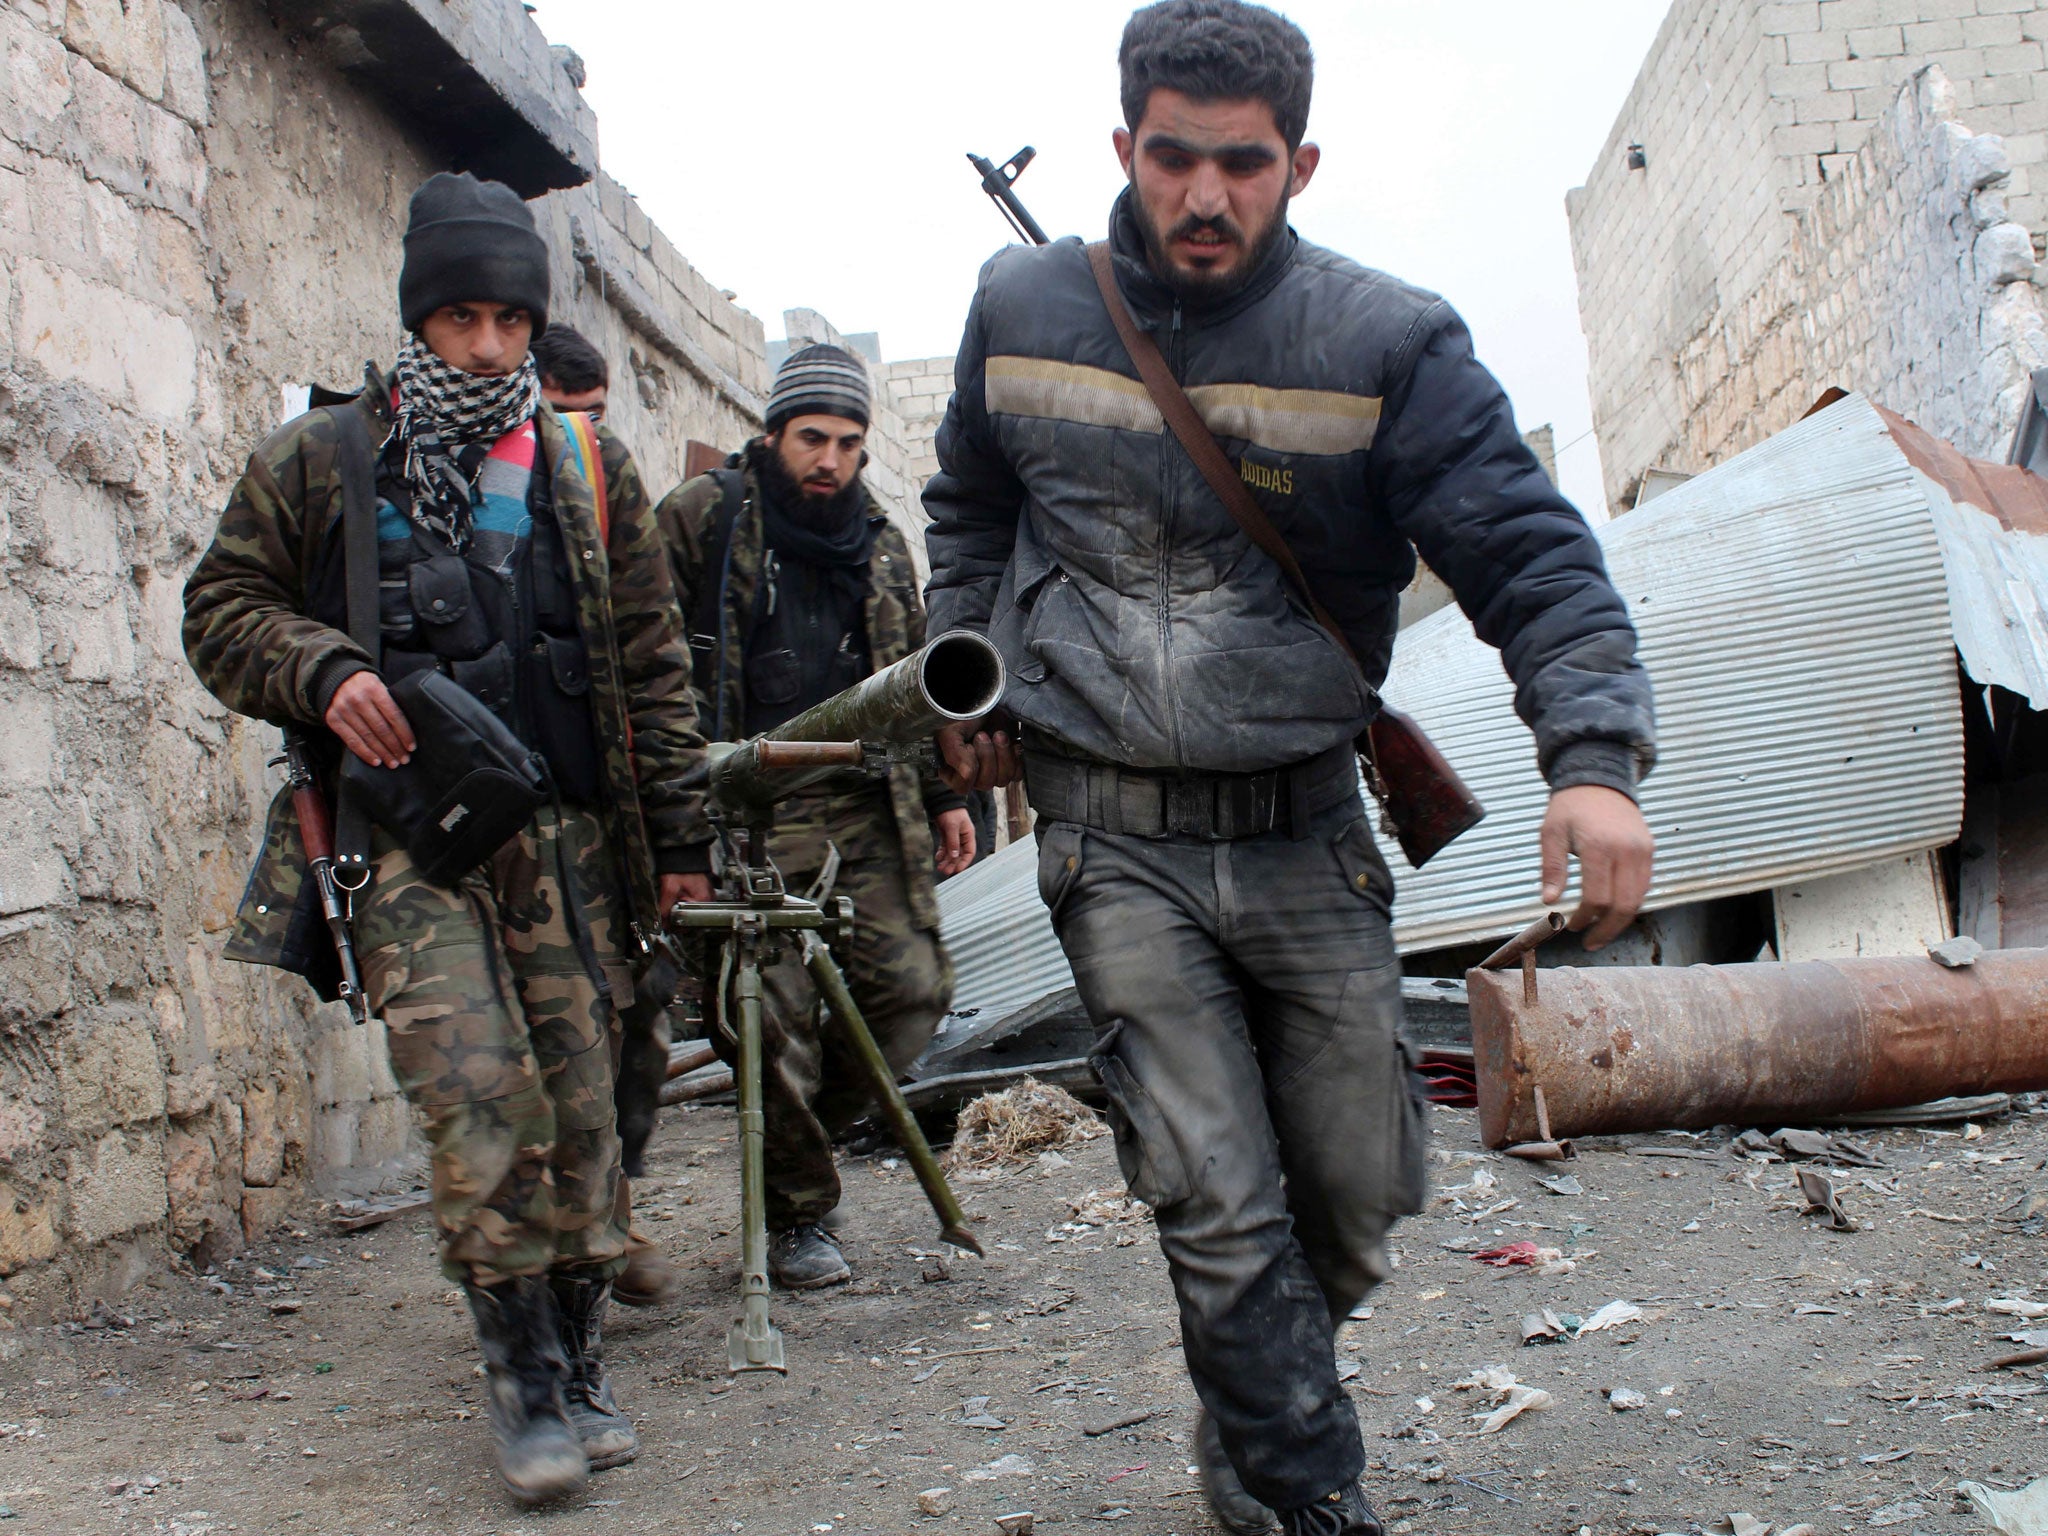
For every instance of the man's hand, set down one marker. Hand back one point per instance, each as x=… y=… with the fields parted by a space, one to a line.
x=369 y=722
x=1612 y=842
x=956 y=841
x=675 y=888
x=980 y=761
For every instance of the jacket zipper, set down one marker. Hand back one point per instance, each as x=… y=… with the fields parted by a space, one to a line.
x=1169 y=482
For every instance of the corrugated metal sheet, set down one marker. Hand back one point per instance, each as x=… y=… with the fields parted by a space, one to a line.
x=1992 y=520
x=1795 y=621
x=996 y=929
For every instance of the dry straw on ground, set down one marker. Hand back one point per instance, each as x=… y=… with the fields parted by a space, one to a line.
x=1014 y=1126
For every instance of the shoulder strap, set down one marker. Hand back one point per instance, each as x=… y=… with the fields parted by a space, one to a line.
x=590 y=458
x=356 y=464
x=707 y=628
x=1201 y=444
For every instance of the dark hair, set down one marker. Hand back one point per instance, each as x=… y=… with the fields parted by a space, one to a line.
x=566 y=356
x=1218 y=50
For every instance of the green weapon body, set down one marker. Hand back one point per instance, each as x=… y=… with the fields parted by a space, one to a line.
x=880 y=720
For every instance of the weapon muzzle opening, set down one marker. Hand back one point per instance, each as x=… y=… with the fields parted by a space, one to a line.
x=962 y=674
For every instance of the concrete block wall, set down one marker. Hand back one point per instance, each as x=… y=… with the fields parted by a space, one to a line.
x=686 y=361
x=1747 y=115
x=921 y=387
x=198 y=218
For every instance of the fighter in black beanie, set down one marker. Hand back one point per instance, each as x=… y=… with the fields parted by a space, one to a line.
x=467 y=239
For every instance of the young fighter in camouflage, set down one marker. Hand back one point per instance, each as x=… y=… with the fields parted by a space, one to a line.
x=796 y=587
x=534 y=577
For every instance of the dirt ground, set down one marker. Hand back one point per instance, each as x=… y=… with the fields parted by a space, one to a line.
x=327 y=1384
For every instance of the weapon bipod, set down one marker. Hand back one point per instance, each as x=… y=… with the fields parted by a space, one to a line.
x=753 y=917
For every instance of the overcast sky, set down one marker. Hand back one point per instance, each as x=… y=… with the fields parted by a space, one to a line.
x=812 y=152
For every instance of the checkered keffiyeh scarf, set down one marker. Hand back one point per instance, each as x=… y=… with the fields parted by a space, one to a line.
x=442 y=411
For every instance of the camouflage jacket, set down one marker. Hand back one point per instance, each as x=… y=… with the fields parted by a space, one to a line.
x=248 y=636
x=895 y=628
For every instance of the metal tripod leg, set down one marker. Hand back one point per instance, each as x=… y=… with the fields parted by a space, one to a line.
x=832 y=987
x=754 y=1344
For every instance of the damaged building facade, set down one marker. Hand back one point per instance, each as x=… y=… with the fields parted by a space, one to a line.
x=200 y=210
x=1809 y=194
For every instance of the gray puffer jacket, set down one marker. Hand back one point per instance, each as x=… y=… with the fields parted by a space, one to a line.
x=1142 y=627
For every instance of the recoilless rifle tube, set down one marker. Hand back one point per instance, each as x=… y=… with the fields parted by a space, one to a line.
x=954 y=679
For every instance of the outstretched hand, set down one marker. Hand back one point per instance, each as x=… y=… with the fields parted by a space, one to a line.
x=985 y=760
x=1606 y=832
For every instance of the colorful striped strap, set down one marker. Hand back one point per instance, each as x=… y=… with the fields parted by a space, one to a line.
x=590 y=460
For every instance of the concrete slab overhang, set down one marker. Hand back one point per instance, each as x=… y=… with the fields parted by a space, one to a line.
x=476 y=79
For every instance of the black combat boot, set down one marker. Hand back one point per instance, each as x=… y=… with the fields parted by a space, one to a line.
x=538 y=1451
x=1235 y=1510
x=806 y=1257
x=1343 y=1513
x=607 y=1434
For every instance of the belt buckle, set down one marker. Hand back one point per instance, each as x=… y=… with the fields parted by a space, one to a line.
x=1190 y=807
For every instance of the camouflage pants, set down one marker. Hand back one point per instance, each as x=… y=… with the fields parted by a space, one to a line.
x=812 y=1083
x=501 y=1038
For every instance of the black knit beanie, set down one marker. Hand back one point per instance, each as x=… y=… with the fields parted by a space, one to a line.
x=821 y=380
x=468 y=241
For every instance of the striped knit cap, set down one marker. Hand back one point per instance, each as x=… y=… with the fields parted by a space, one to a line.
x=821 y=380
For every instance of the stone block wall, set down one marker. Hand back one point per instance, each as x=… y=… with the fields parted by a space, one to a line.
x=199 y=216
x=921 y=387
x=1749 y=116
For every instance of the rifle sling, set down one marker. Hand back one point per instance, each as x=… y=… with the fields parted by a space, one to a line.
x=1201 y=444
x=356 y=464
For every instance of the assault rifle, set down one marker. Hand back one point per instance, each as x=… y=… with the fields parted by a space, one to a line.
x=1424 y=805
x=884 y=719
x=316 y=837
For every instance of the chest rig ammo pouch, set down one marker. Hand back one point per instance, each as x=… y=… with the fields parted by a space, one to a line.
x=473 y=782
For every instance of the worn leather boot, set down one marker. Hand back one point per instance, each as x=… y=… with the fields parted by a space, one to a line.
x=649 y=1279
x=607 y=1434
x=1343 y=1513
x=1235 y=1510
x=806 y=1257
x=539 y=1454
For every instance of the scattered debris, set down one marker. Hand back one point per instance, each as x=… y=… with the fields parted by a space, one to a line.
x=2014 y=1360
x=975 y=1415
x=1955 y=953
x=1626 y=1400
x=1014 y=1126
x=1547 y=1327
x=355 y=1215
x=1819 y=1191
x=1524 y=1252
x=2014 y=1512
x=1121 y=1421
x=935 y=1501
x=2015 y=1306
x=1934 y=1112
x=1563 y=1184
x=1011 y=1465
x=1513 y=1398
x=1742 y=1525
x=1613 y=1315
x=1018 y=1524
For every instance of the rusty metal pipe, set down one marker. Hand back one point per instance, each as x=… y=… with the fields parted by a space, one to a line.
x=1645 y=1048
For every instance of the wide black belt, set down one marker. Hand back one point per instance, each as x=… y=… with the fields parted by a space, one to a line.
x=1214 y=807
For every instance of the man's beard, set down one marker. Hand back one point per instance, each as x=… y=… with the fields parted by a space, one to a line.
x=821 y=514
x=1210 y=286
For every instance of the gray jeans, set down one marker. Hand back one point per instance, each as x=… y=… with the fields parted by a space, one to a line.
x=1249 y=1003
